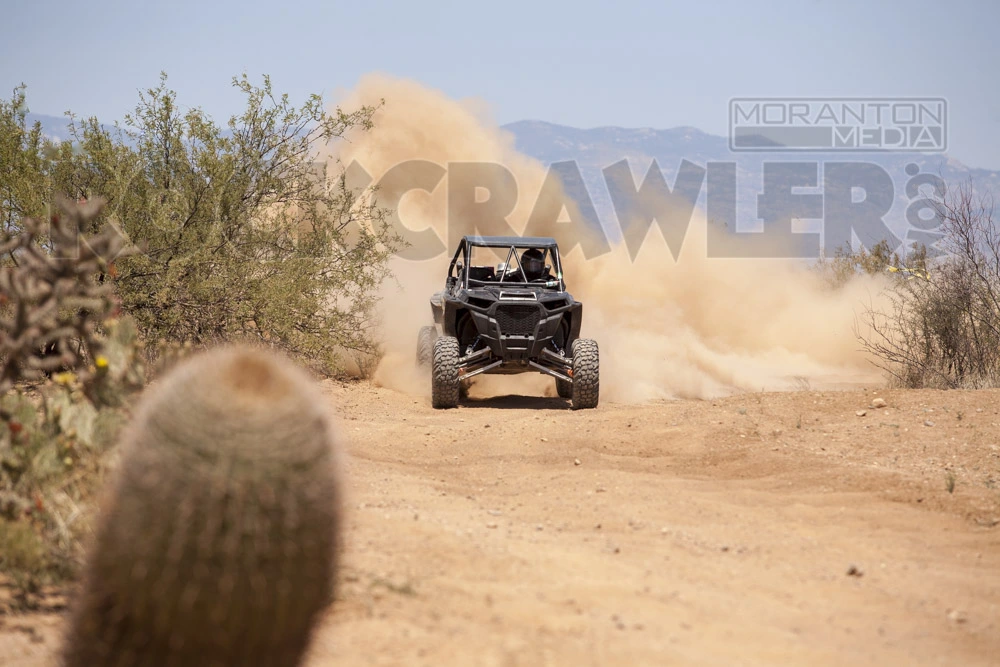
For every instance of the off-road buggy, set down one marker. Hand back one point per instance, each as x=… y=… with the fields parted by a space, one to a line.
x=505 y=309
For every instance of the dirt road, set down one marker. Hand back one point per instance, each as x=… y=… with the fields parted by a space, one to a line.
x=779 y=528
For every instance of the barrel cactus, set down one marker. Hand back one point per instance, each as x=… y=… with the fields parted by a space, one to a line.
x=216 y=544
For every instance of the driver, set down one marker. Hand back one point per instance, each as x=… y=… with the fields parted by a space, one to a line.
x=533 y=266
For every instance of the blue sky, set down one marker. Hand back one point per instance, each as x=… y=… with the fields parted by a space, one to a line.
x=580 y=63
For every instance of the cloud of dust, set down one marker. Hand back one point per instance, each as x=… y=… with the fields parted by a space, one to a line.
x=701 y=327
x=697 y=327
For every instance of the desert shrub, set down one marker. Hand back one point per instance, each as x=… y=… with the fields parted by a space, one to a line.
x=942 y=328
x=245 y=236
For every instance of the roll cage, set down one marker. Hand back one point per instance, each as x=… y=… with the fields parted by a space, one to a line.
x=461 y=273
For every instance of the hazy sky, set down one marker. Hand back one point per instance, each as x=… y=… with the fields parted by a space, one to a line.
x=583 y=63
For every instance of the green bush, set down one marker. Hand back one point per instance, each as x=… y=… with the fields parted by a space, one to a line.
x=243 y=236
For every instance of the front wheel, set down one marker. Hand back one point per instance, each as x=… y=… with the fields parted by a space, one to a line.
x=586 y=386
x=425 y=345
x=445 y=385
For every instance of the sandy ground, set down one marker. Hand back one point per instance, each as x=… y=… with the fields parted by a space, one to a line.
x=772 y=528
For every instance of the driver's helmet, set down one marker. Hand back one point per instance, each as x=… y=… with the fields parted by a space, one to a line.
x=533 y=264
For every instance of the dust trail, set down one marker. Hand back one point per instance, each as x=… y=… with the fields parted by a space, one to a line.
x=695 y=327
x=700 y=327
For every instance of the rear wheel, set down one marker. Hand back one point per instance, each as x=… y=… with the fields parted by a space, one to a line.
x=444 y=373
x=425 y=345
x=564 y=388
x=586 y=387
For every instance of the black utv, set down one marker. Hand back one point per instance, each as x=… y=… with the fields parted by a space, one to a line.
x=505 y=309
